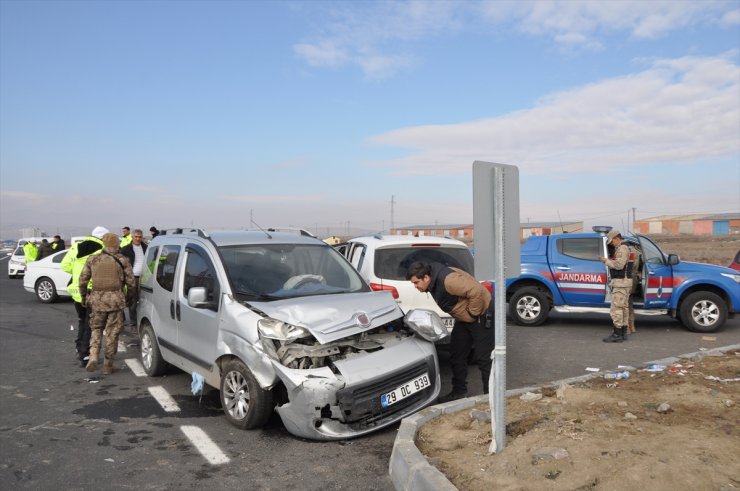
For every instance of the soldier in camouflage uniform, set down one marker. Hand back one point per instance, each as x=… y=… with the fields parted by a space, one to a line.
x=635 y=257
x=620 y=283
x=110 y=271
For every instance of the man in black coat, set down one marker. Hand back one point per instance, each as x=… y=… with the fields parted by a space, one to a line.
x=135 y=253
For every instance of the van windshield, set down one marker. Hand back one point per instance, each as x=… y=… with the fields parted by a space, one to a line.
x=279 y=271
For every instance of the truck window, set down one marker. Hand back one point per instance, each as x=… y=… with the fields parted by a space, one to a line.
x=650 y=252
x=581 y=248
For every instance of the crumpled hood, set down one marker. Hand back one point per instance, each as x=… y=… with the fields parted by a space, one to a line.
x=332 y=317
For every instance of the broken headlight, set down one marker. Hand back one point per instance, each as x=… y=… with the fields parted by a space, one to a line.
x=281 y=331
x=426 y=324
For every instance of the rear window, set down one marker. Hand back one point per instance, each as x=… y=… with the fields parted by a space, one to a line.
x=392 y=263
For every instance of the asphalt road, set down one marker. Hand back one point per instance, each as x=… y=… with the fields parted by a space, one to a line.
x=61 y=430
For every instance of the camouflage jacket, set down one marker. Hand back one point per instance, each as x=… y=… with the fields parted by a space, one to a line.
x=110 y=271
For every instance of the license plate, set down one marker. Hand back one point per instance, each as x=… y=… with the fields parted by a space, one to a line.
x=411 y=387
x=449 y=322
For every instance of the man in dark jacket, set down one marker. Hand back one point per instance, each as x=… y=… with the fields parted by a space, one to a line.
x=58 y=244
x=469 y=302
x=135 y=252
x=44 y=250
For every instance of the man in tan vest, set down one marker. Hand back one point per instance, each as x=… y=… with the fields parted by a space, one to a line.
x=110 y=272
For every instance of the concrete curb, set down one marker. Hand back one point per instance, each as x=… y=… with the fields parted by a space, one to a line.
x=409 y=469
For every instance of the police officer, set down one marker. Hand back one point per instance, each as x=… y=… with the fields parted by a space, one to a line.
x=30 y=251
x=110 y=271
x=73 y=262
x=465 y=299
x=125 y=236
x=620 y=283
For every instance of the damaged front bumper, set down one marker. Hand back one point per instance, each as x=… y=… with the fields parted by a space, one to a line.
x=324 y=405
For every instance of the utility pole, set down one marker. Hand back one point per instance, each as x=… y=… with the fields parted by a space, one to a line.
x=633 y=217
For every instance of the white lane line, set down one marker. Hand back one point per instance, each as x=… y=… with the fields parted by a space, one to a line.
x=135 y=367
x=164 y=399
x=205 y=445
x=121 y=347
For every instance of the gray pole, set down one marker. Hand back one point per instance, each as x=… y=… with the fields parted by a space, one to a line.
x=497 y=381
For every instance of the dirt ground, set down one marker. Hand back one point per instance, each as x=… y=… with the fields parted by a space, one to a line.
x=701 y=249
x=604 y=434
x=609 y=434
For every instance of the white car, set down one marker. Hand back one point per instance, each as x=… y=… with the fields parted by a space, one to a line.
x=16 y=263
x=384 y=259
x=46 y=278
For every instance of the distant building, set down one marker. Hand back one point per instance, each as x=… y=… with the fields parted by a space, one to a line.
x=465 y=233
x=333 y=240
x=456 y=231
x=548 y=228
x=697 y=224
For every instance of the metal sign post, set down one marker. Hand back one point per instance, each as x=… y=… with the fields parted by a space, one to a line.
x=496 y=225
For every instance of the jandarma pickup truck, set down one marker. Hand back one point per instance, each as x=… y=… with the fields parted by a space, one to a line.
x=563 y=272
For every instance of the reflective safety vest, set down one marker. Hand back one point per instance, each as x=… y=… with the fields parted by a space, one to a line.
x=30 y=251
x=126 y=240
x=75 y=260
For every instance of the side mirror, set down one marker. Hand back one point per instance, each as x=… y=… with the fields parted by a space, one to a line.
x=198 y=298
x=673 y=259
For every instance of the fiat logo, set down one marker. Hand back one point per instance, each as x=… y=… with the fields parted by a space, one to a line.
x=362 y=319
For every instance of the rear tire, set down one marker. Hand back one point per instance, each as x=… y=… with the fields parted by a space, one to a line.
x=529 y=306
x=46 y=292
x=703 y=312
x=151 y=357
x=246 y=404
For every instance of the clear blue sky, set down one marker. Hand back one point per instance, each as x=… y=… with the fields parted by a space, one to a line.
x=315 y=114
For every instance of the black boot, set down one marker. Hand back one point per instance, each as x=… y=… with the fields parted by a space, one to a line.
x=616 y=336
x=623 y=333
x=452 y=396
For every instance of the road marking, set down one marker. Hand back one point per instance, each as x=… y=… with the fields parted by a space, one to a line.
x=136 y=367
x=121 y=347
x=205 y=445
x=164 y=399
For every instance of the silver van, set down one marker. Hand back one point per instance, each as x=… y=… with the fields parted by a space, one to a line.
x=282 y=321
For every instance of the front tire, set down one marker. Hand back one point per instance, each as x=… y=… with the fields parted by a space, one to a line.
x=151 y=357
x=703 y=312
x=529 y=306
x=46 y=292
x=246 y=404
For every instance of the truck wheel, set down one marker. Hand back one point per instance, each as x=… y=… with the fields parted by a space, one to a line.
x=529 y=306
x=703 y=312
x=245 y=403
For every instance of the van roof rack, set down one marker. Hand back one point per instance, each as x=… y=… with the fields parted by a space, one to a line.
x=185 y=231
x=295 y=230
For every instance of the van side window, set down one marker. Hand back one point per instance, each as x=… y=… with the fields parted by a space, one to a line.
x=199 y=271
x=581 y=248
x=167 y=264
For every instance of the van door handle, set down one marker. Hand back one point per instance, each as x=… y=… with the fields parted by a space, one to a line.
x=177 y=310
x=563 y=268
x=172 y=309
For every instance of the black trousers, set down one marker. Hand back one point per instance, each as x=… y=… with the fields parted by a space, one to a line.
x=82 y=342
x=467 y=336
